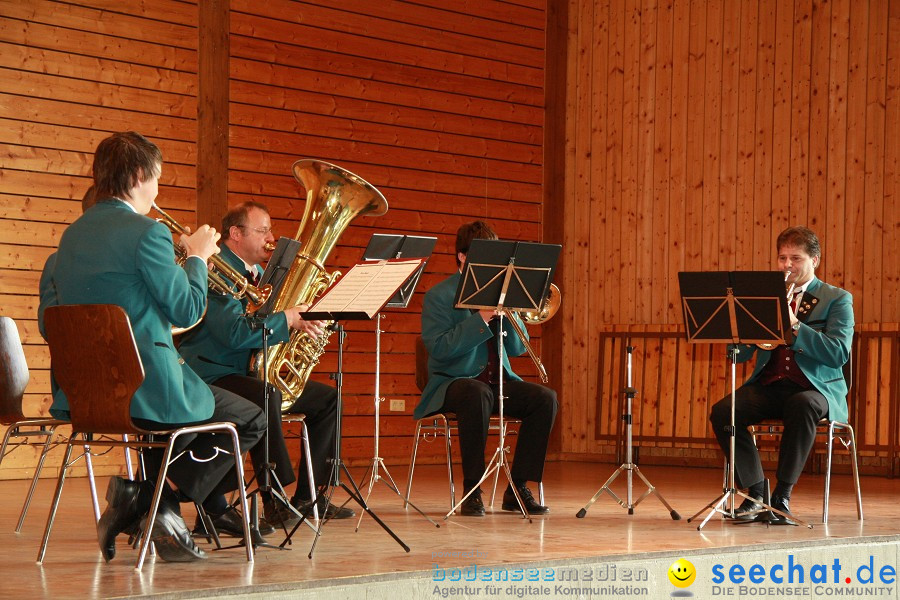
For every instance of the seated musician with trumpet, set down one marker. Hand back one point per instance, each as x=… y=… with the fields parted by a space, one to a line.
x=798 y=384
x=115 y=254
x=463 y=378
x=220 y=351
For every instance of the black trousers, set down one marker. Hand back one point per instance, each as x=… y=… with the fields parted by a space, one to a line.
x=318 y=402
x=199 y=480
x=473 y=402
x=799 y=409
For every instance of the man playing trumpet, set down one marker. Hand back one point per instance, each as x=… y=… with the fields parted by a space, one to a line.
x=799 y=384
x=115 y=254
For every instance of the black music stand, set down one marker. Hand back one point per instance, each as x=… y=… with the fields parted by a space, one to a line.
x=358 y=295
x=735 y=307
x=505 y=275
x=384 y=247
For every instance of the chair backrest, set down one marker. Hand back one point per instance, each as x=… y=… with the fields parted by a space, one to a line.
x=14 y=371
x=421 y=363
x=96 y=363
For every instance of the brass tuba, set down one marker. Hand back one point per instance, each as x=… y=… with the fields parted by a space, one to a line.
x=334 y=197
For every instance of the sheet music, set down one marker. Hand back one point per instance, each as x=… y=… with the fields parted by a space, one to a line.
x=367 y=287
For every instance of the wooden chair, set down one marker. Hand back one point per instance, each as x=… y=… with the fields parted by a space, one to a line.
x=832 y=430
x=22 y=430
x=431 y=427
x=96 y=363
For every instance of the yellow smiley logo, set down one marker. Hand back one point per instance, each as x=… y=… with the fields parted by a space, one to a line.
x=682 y=573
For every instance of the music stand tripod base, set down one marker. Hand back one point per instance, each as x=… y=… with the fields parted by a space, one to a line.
x=628 y=466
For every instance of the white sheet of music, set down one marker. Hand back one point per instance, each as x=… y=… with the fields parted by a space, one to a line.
x=367 y=287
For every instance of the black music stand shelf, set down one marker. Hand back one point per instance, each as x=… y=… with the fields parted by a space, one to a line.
x=734 y=307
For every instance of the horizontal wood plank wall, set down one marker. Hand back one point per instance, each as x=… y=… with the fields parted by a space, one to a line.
x=439 y=106
x=695 y=131
x=70 y=74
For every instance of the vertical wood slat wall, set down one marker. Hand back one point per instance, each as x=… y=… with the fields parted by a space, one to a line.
x=438 y=105
x=696 y=130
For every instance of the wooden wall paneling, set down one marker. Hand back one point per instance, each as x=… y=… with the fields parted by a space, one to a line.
x=819 y=126
x=834 y=227
x=695 y=156
x=855 y=234
x=660 y=152
x=462 y=59
x=763 y=133
x=626 y=283
x=869 y=305
x=581 y=223
x=646 y=153
x=683 y=391
x=674 y=245
x=745 y=223
x=709 y=245
x=614 y=242
x=801 y=119
x=781 y=122
x=600 y=250
x=212 y=113
x=727 y=178
x=891 y=286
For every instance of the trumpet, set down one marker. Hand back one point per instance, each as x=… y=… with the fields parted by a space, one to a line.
x=223 y=278
x=544 y=313
x=790 y=291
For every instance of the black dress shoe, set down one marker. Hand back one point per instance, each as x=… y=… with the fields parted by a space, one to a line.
x=171 y=537
x=750 y=511
x=473 y=506
x=279 y=515
x=230 y=523
x=781 y=504
x=329 y=510
x=123 y=512
x=531 y=505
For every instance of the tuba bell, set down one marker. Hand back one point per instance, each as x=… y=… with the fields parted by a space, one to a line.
x=334 y=197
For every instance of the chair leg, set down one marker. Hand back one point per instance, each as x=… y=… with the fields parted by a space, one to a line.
x=210 y=532
x=541 y=493
x=448 y=443
x=89 y=464
x=54 y=505
x=828 y=453
x=412 y=463
x=34 y=480
x=304 y=440
x=859 y=508
x=147 y=536
x=245 y=509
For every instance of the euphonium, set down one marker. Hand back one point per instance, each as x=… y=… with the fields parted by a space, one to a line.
x=334 y=197
x=223 y=278
x=544 y=313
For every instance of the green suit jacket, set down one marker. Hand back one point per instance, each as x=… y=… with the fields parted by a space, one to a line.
x=456 y=340
x=223 y=343
x=821 y=345
x=112 y=255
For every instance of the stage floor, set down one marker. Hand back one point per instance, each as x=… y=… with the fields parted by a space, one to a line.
x=73 y=566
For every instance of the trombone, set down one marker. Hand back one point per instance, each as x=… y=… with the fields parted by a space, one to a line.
x=544 y=313
x=223 y=278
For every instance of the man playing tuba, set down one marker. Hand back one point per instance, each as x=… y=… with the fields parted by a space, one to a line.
x=219 y=350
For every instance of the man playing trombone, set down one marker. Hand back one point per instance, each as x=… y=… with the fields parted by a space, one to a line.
x=463 y=376
x=798 y=384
